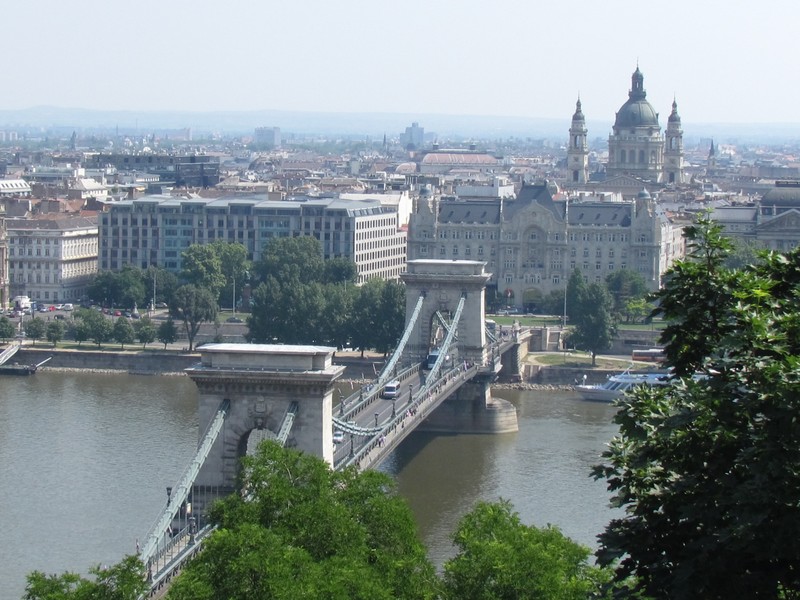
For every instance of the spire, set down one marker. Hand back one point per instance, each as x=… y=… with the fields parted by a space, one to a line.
x=674 y=117
x=578 y=116
x=637 y=85
x=712 y=151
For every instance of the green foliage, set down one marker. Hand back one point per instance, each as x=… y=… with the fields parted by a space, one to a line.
x=193 y=306
x=291 y=260
x=309 y=532
x=7 y=329
x=123 y=581
x=339 y=270
x=167 y=332
x=500 y=557
x=93 y=325
x=595 y=327
x=145 y=331
x=706 y=469
x=235 y=268
x=302 y=299
x=202 y=268
x=35 y=328
x=625 y=286
x=576 y=296
x=55 y=332
x=123 y=332
x=131 y=286
x=696 y=295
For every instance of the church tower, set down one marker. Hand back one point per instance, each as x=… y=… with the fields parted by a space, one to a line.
x=711 y=161
x=578 y=151
x=673 y=152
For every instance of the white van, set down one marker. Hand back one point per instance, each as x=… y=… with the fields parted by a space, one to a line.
x=391 y=390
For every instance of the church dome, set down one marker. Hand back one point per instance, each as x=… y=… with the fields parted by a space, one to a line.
x=637 y=111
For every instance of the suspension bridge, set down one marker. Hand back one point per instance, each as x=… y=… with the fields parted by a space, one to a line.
x=287 y=392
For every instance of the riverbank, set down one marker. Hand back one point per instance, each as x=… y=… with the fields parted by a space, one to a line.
x=359 y=370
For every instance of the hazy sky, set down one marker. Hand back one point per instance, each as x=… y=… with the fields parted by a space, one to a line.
x=724 y=61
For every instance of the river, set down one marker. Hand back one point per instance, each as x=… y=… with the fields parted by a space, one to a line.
x=85 y=460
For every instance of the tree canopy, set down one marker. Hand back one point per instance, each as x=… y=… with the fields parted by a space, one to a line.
x=706 y=469
x=193 y=305
x=500 y=557
x=306 y=531
x=590 y=311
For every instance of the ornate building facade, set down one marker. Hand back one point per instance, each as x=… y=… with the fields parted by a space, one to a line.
x=532 y=244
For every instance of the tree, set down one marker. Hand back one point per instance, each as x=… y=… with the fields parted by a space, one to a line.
x=594 y=325
x=291 y=259
x=500 y=557
x=706 y=469
x=55 y=332
x=145 y=331
x=340 y=270
x=306 y=531
x=391 y=315
x=123 y=332
x=202 y=268
x=93 y=325
x=123 y=581
x=193 y=306
x=625 y=285
x=80 y=331
x=35 y=328
x=167 y=333
x=7 y=328
x=235 y=267
x=365 y=318
x=576 y=296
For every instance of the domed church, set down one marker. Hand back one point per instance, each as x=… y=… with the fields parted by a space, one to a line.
x=636 y=146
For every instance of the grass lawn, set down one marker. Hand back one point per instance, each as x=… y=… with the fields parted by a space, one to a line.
x=583 y=360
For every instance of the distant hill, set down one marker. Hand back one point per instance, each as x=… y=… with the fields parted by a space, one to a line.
x=374 y=125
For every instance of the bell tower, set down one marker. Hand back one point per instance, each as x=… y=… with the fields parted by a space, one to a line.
x=578 y=152
x=673 y=152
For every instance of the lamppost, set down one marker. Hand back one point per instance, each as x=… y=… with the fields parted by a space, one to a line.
x=376 y=419
x=394 y=409
x=192 y=523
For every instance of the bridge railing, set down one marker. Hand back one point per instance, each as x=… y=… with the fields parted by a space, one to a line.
x=384 y=437
x=159 y=535
x=358 y=402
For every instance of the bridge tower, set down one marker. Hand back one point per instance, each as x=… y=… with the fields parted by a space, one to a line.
x=271 y=387
x=443 y=282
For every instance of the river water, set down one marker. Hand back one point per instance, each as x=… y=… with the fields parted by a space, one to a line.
x=85 y=460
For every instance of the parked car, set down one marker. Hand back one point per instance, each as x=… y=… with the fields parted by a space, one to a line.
x=68 y=306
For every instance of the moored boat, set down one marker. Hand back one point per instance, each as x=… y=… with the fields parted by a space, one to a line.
x=616 y=385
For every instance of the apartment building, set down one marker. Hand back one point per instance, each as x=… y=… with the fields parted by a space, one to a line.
x=532 y=244
x=154 y=230
x=51 y=259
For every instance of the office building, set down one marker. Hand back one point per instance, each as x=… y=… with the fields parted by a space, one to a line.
x=155 y=230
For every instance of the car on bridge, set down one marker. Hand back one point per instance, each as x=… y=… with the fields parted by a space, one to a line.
x=338 y=436
x=391 y=390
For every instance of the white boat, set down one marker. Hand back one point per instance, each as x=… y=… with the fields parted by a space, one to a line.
x=616 y=385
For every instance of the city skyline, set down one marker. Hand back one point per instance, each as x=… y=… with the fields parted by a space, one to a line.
x=720 y=61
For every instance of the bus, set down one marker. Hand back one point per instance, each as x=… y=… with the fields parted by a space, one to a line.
x=433 y=356
x=649 y=355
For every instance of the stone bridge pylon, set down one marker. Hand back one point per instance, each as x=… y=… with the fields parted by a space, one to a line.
x=263 y=383
x=443 y=283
